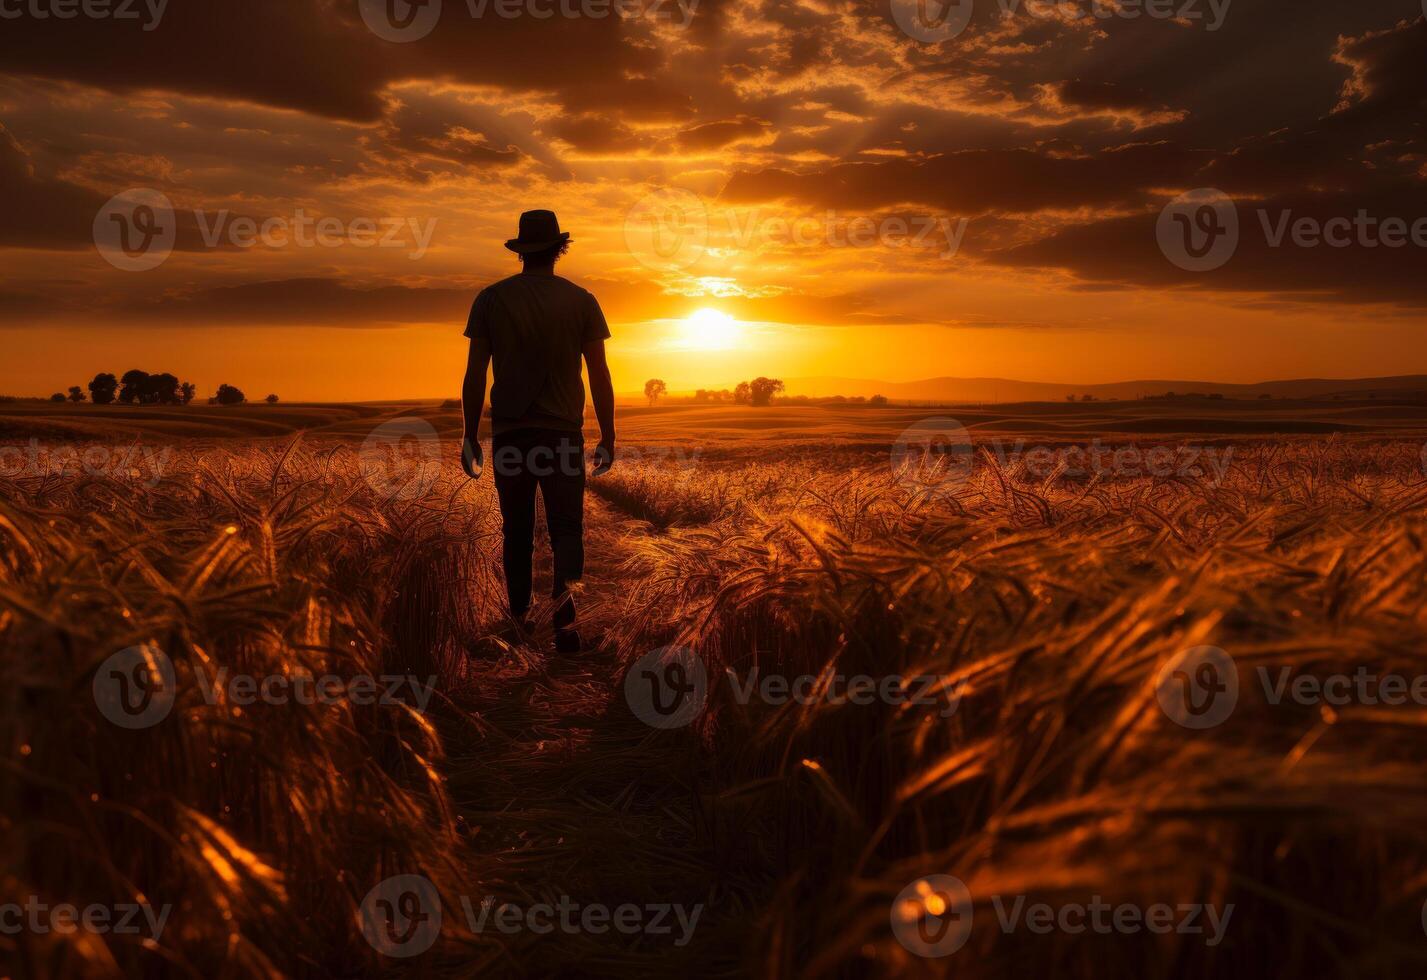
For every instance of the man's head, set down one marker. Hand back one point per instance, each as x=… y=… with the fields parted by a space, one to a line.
x=544 y=257
x=541 y=241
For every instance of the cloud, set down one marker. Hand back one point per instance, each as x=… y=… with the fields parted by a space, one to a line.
x=980 y=181
x=317 y=302
x=716 y=135
x=41 y=212
x=1061 y=140
x=1124 y=251
x=295 y=54
x=318 y=56
x=45 y=213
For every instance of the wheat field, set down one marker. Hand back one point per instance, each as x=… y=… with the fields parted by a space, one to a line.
x=1043 y=607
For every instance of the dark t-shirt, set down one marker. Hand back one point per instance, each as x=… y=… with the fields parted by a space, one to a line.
x=536 y=325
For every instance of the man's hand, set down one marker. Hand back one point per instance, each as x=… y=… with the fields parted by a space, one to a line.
x=603 y=457
x=472 y=461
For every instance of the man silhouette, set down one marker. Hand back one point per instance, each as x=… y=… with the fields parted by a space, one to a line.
x=534 y=328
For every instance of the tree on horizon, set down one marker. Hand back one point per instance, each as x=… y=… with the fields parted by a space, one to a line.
x=76 y=394
x=102 y=388
x=653 y=388
x=134 y=382
x=143 y=388
x=762 y=390
x=228 y=395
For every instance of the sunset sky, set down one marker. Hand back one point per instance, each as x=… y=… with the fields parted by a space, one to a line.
x=768 y=162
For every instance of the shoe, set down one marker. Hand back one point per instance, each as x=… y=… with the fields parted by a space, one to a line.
x=567 y=641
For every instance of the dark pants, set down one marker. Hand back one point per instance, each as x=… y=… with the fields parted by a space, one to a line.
x=553 y=461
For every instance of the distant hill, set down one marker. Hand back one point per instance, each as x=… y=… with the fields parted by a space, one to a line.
x=1007 y=390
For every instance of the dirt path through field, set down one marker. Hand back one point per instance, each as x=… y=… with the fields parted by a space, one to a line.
x=567 y=794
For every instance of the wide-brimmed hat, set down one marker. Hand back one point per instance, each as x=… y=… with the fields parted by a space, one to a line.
x=539 y=230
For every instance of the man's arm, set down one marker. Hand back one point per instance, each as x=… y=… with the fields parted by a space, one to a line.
x=602 y=393
x=473 y=405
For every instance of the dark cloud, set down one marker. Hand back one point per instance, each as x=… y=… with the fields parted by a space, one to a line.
x=594 y=133
x=318 y=55
x=41 y=212
x=1103 y=95
x=294 y=54
x=1125 y=251
x=716 y=135
x=423 y=137
x=980 y=181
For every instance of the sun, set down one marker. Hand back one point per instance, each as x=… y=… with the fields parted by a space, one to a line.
x=709 y=329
